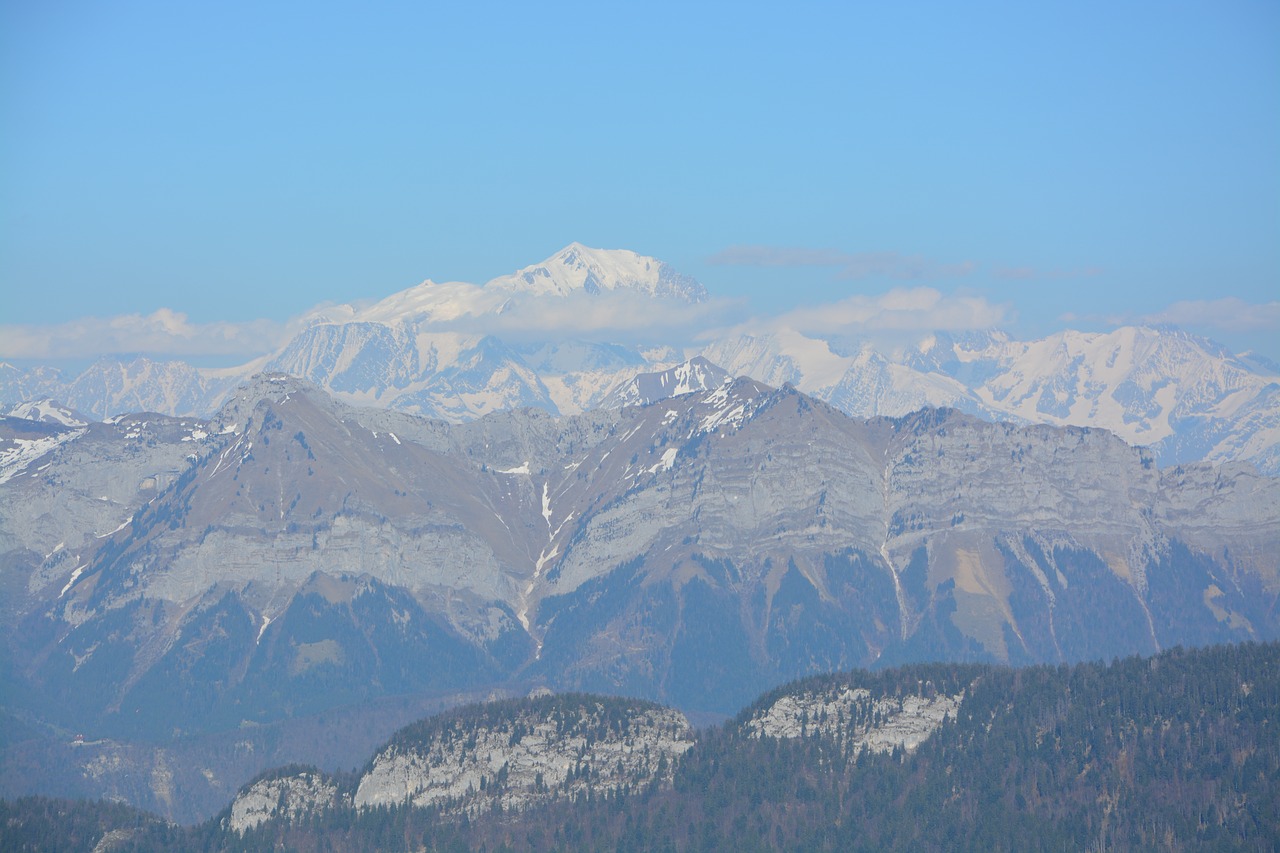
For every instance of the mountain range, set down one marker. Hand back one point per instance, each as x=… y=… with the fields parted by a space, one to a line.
x=174 y=578
x=457 y=351
x=409 y=514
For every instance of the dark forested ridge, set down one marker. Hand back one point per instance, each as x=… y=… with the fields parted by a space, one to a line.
x=1176 y=752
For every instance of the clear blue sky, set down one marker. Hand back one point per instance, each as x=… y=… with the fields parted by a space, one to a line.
x=233 y=161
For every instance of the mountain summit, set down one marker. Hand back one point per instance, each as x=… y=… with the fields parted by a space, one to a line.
x=577 y=268
x=574 y=270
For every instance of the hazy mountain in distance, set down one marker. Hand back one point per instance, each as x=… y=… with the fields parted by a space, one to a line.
x=458 y=351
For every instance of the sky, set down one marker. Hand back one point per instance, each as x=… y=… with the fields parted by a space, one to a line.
x=190 y=179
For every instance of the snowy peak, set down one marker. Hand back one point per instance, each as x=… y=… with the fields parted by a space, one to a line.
x=440 y=302
x=697 y=374
x=1182 y=394
x=1136 y=381
x=49 y=412
x=577 y=268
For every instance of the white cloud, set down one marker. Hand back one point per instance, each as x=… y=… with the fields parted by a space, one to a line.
x=1228 y=314
x=612 y=315
x=849 y=265
x=901 y=309
x=163 y=331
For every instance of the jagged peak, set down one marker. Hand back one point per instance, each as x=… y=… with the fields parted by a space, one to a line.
x=688 y=377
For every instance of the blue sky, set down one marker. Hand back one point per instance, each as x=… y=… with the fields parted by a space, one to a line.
x=1064 y=164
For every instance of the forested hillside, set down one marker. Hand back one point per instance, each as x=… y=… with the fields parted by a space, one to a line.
x=1176 y=752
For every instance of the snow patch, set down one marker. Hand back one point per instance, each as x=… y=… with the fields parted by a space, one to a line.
x=21 y=452
x=75 y=576
x=668 y=460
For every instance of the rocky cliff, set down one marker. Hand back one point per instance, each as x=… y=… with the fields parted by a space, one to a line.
x=500 y=757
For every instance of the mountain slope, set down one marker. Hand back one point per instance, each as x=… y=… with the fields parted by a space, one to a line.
x=1184 y=396
x=297 y=554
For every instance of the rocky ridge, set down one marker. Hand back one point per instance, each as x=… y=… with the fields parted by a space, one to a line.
x=558 y=747
x=510 y=756
x=494 y=537
x=287 y=797
x=505 y=757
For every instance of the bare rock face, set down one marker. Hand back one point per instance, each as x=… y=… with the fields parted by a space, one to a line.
x=501 y=755
x=859 y=719
x=289 y=797
x=559 y=748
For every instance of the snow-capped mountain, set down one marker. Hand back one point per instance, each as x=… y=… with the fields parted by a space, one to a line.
x=49 y=412
x=400 y=352
x=696 y=374
x=1181 y=394
x=573 y=271
x=577 y=268
x=457 y=351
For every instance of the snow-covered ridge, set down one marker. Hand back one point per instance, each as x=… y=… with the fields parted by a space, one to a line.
x=696 y=374
x=47 y=411
x=1183 y=395
x=20 y=452
x=52 y=426
x=578 y=268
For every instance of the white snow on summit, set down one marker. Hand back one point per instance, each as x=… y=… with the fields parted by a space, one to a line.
x=46 y=411
x=577 y=268
x=573 y=270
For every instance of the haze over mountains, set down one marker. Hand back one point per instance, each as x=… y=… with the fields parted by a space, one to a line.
x=457 y=351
